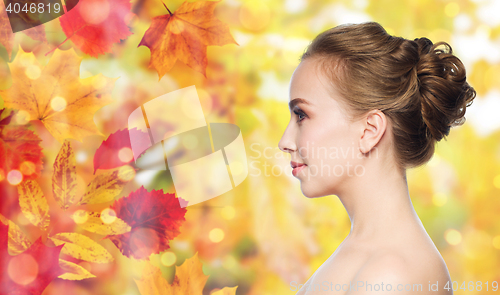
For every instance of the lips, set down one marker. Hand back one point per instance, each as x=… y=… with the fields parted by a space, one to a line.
x=297 y=167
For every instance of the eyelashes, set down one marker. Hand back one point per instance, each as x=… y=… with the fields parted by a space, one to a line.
x=300 y=114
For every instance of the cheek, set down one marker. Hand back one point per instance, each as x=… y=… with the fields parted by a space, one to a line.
x=318 y=142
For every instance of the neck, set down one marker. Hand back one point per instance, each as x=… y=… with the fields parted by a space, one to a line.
x=379 y=205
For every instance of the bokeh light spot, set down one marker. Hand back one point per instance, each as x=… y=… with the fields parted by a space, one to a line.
x=108 y=215
x=126 y=173
x=22 y=117
x=496 y=181
x=452 y=9
x=216 y=235
x=27 y=59
x=125 y=154
x=94 y=11
x=228 y=212
x=23 y=269
x=439 y=199
x=453 y=236
x=254 y=15
x=14 y=177
x=496 y=242
x=236 y=168
x=168 y=258
x=58 y=103
x=81 y=156
x=80 y=216
x=33 y=72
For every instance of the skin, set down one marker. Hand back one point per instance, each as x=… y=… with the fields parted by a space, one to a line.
x=387 y=242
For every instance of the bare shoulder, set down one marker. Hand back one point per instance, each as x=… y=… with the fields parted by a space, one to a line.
x=394 y=271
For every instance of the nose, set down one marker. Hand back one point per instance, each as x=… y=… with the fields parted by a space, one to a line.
x=287 y=142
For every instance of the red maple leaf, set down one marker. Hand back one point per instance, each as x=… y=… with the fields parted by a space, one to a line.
x=155 y=218
x=95 y=25
x=29 y=272
x=19 y=149
x=116 y=150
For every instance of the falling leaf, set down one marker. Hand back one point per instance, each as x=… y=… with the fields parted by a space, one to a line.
x=57 y=96
x=107 y=155
x=185 y=35
x=64 y=176
x=29 y=272
x=81 y=247
x=95 y=224
x=95 y=25
x=73 y=271
x=7 y=36
x=19 y=147
x=34 y=204
x=105 y=187
x=155 y=219
x=18 y=241
x=189 y=279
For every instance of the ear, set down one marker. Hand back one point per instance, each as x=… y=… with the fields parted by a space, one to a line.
x=374 y=124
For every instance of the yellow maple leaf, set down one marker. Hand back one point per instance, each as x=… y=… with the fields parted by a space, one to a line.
x=185 y=35
x=56 y=95
x=189 y=280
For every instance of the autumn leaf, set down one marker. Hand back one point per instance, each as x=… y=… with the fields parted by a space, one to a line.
x=95 y=25
x=64 y=176
x=57 y=96
x=73 y=271
x=189 y=279
x=106 y=186
x=7 y=36
x=81 y=247
x=185 y=35
x=18 y=241
x=93 y=223
x=34 y=204
x=19 y=148
x=154 y=218
x=116 y=150
x=29 y=272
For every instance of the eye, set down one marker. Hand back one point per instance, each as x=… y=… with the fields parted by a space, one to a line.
x=300 y=114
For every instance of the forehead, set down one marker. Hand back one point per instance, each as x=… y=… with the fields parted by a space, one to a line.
x=310 y=83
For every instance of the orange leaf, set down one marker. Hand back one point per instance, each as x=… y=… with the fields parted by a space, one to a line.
x=185 y=35
x=63 y=102
x=189 y=280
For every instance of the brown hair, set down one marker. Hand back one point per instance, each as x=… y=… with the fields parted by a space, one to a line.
x=421 y=89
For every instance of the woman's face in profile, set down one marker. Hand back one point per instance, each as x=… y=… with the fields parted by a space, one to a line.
x=323 y=144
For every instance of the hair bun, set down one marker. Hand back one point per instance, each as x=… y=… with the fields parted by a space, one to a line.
x=444 y=92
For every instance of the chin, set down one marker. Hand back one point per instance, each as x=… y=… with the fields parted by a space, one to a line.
x=312 y=191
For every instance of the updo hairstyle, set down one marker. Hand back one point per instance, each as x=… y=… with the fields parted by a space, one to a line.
x=420 y=86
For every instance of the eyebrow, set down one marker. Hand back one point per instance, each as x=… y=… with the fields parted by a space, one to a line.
x=296 y=101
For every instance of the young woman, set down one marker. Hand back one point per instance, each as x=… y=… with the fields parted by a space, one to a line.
x=365 y=107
